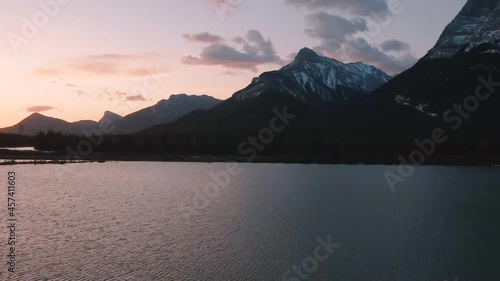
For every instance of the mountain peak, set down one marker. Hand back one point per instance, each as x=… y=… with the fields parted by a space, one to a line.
x=311 y=77
x=174 y=96
x=475 y=6
x=36 y=116
x=110 y=116
x=182 y=103
x=185 y=98
x=109 y=113
x=306 y=54
x=475 y=25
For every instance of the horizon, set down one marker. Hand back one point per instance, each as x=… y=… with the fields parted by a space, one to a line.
x=250 y=140
x=103 y=113
x=59 y=73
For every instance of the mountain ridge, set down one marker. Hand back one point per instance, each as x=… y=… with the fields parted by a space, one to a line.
x=311 y=77
x=312 y=86
x=476 y=24
x=427 y=95
x=166 y=110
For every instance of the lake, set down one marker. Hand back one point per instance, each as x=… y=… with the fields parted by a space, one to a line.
x=200 y=221
x=27 y=148
x=23 y=149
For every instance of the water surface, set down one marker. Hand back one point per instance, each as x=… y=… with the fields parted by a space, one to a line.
x=124 y=221
x=18 y=148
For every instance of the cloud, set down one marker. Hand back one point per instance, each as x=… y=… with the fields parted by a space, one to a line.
x=126 y=65
x=230 y=3
x=135 y=98
x=143 y=72
x=122 y=95
x=204 y=37
x=357 y=7
x=229 y=72
x=343 y=39
x=39 y=108
x=333 y=30
x=360 y=49
x=255 y=51
x=116 y=56
x=82 y=93
x=48 y=71
x=239 y=40
x=111 y=95
x=291 y=57
x=394 y=45
x=103 y=68
x=225 y=7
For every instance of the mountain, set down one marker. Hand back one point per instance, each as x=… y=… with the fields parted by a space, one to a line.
x=110 y=117
x=165 y=111
x=477 y=24
x=337 y=107
x=461 y=73
x=313 y=78
x=312 y=86
x=37 y=122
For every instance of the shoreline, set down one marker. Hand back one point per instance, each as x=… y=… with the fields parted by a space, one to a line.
x=37 y=158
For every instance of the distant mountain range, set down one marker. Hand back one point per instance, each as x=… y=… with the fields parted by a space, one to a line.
x=310 y=81
x=37 y=122
x=164 y=111
x=312 y=86
x=335 y=99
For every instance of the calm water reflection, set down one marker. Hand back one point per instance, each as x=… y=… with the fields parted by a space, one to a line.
x=122 y=221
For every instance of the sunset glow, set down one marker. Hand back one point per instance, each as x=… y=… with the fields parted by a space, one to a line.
x=76 y=59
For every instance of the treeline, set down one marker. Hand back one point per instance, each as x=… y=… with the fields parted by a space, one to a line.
x=13 y=140
x=291 y=144
x=54 y=141
x=246 y=146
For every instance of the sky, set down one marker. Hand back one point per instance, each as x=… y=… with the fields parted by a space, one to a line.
x=75 y=59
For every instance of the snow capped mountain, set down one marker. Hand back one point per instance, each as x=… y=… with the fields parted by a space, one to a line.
x=179 y=105
x=478 y=23
x=175 y=107
x=473 y=33
x=432 y=93
x=164 y=111
x=311 y=77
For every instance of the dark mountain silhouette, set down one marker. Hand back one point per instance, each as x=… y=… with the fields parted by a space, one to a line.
x=37 y=122
x=461 y=71
x=312 y=86
x=110 y=117
x=477 y=23
x=342 y=111
x=164 y=111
